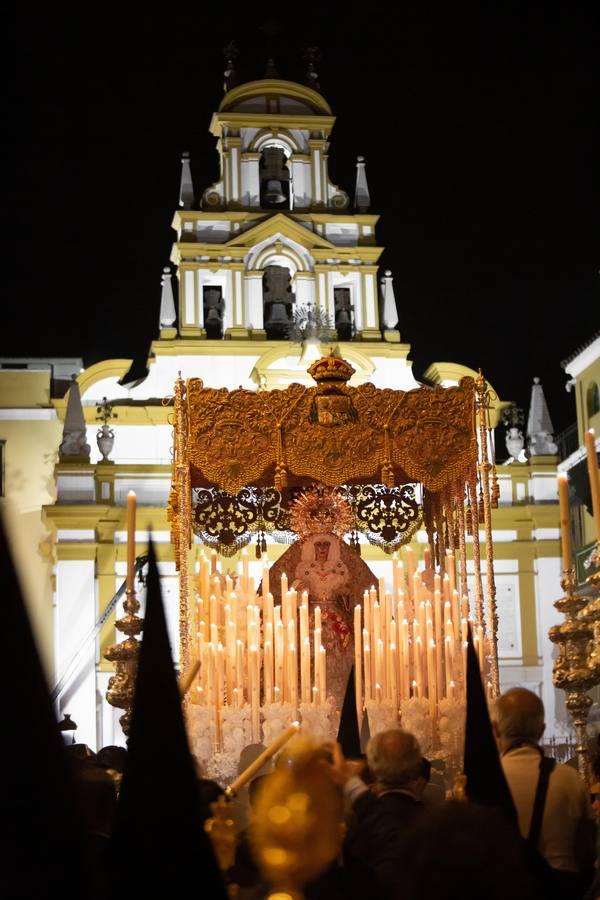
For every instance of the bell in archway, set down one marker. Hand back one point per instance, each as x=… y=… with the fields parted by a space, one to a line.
x=277 y=315
x=274 y=192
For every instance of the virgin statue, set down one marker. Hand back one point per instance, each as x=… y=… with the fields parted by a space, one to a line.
x=332 y=573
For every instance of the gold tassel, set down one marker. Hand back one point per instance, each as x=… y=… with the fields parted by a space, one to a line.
x=495 y=491
x=469 y=520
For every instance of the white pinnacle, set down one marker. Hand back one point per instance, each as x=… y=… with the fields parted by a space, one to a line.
x=390 y=313
x=74 y=445
x=539 y=423
x=167 y=304
x=186 y=186
x=362 y=199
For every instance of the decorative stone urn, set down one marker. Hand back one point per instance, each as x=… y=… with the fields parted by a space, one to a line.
x=514 y=442
x=105 y=438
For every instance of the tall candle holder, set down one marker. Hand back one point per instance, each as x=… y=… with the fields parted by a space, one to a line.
x=125 y=655
x=572 y=672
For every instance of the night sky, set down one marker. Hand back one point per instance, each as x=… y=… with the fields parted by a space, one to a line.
x=481 y=136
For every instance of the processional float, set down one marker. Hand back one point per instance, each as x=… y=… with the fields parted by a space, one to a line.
x=337 y=460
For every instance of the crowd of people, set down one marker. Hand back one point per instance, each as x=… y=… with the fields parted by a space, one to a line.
x=406 y=835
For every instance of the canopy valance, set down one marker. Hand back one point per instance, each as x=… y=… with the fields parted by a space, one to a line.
x=331 y=433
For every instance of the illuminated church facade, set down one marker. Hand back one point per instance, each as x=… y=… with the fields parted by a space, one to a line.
x=272 y=251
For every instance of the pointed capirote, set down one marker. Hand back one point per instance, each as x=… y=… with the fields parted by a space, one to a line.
x=348 y=732
x=158 y=838
x=486 y=783
x=41 y=843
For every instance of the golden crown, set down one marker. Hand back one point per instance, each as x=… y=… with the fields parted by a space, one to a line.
x=331 y=368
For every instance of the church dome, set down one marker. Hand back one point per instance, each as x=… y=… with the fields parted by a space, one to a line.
x=271 y=95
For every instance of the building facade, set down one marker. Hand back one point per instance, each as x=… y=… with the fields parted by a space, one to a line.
x=272 y=249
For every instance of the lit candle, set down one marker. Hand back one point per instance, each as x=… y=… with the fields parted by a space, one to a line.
x=205 y=573
x=451 y=569
x=253 y=665
x=220 y=674
x=427 y=557
x=229 y=660
x=401 y=611
x=417 y=589
x=268 y=663
x=245 y=571
x=357 y=663
x=367 y=611
x=367 y=665
x=265 y=576
x=269 y=614
x=432 y=692
x=233 y=600
x=305 y=671
x=304 y=651
x=376 y=622
x=278 y=656
x=293 y=606
x=422 y=619
x=284 y=586
x=438 y=635
x=431 y=673
x=318 y=617
x=594 y=476
x=449 y=660
x=410 y=571
x=213 y=562
x=393 y=684
x=405 y=659
x=293 y=678
x=292 y=673
x=455 y=612
x=379 y=661
x=565 y=520
x=317 y=667
x=131 y=504
x=239 y=672
x=401 y=577
x=323 y=671
x=395 y=583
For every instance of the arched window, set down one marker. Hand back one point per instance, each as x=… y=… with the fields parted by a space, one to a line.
x=593 y=399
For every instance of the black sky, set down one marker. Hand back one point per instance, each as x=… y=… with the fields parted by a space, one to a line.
x=480 y=131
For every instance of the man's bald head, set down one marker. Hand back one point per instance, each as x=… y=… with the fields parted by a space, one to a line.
x=394 y=758
x=519 y=716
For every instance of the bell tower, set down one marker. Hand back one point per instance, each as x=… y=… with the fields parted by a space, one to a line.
x=274 y=233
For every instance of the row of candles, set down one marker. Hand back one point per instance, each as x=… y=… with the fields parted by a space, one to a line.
x=412 y=643
x=408 y=642
x=251 y=650
x=563 y=497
